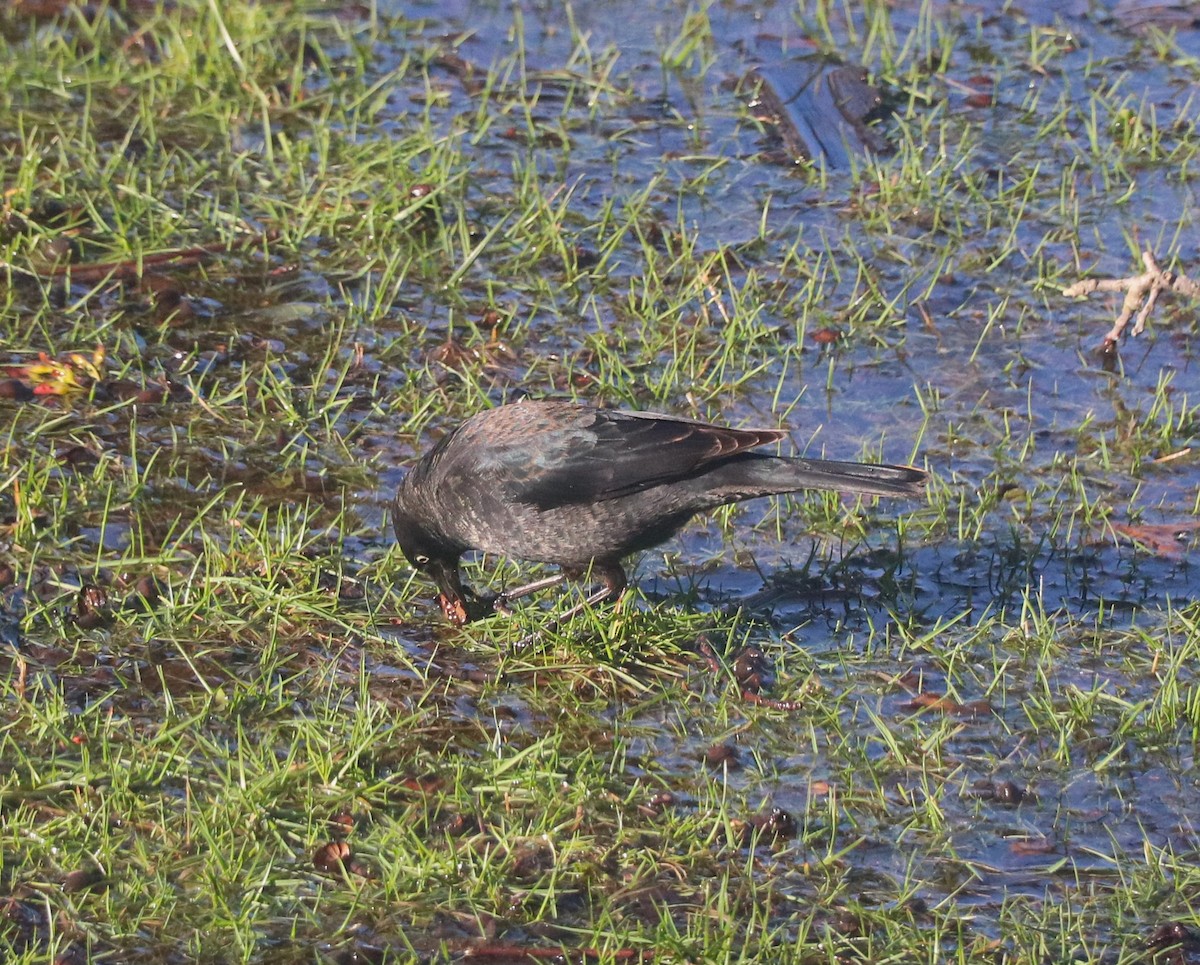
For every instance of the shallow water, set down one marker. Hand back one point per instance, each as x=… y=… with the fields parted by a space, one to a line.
x=1011 y=590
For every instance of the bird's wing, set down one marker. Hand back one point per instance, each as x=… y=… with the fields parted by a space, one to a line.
x=605 y=454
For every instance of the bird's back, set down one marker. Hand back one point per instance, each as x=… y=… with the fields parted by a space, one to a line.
x=557 y=481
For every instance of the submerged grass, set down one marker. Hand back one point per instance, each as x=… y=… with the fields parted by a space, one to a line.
x=232 y=727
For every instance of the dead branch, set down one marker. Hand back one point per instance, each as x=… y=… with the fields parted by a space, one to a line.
x=1140 y=290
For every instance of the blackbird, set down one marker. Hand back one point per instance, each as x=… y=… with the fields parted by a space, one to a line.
x=561 y=482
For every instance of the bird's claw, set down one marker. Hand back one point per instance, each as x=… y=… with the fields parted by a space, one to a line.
x=527 y=641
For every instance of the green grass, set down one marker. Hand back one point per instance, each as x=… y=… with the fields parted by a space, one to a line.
x=214 y=663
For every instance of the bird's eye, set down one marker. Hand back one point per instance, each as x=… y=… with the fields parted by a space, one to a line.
x=421 y=560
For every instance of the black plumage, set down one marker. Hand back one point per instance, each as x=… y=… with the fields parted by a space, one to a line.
x=582 y=487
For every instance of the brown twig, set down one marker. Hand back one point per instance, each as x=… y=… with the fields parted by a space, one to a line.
x=1140 y=290
x=127 y=270
x=500 y=952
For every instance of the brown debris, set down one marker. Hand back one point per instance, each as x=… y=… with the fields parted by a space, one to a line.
x=1173 y=935
x=342 y=824
x=92 y=607
x=825 y=336
x=494 y=356
x=945 y=705
x=1033 y=846
x=83 y=879
x=459 y=825
x=750 y=671
x=15 y=390
x=333 y=856
x=980 y=91
x=722 y=755
x=770 y=826
x=657 y=804
x=336 y=858
x=514 y=954
x=147 y=590
x=461 y=69
x=427 y=784
x=1163 y=539
x=1007 y=793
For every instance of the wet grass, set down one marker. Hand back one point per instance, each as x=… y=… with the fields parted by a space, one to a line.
x=233 y=726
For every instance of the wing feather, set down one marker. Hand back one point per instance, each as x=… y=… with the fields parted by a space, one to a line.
x=605 y=454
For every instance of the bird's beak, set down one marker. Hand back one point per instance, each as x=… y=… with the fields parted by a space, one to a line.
x=445 y=574
x=451 y=596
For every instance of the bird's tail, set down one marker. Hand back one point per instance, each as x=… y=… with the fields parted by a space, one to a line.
x=783 y=474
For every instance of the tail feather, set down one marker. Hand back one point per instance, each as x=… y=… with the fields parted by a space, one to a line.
x=784 y=474
x=855 y=477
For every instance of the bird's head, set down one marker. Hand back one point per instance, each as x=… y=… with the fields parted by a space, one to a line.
x=427 y=550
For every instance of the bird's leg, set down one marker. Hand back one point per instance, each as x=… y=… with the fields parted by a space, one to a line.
x=501 y=600
x=612 y=585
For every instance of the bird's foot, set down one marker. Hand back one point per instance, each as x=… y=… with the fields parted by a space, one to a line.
x=468 y=606
x=526 y=642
